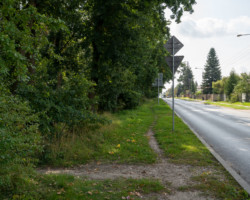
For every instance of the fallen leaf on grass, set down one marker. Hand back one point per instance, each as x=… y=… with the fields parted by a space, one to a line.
x=61 y=191
x=128 y=197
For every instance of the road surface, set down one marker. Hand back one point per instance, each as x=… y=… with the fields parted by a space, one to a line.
x=226 y=130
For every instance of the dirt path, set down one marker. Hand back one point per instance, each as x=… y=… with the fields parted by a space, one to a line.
x=171 y=175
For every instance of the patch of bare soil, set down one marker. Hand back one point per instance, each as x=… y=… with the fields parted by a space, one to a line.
x=171 y=175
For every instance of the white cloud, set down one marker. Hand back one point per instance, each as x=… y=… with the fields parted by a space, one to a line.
x=213 y=27
x=240 y=25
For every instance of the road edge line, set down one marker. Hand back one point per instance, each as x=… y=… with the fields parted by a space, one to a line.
x=235 y=175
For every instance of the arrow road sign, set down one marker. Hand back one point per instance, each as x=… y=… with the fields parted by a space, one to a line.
x=177 y=62
x=173 y=45
x=173 y=42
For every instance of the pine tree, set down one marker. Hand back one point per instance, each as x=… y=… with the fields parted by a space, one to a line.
x=212 y=72
x=186 y=79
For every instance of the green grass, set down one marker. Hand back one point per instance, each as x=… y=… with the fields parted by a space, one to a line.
x=212 y=184
x=122 y=141
x=237 y=105
x=223 y=189
x=183 y=147
x=180 y=146
x=65 y=187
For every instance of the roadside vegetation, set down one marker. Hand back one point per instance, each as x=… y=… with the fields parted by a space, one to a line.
x=62 y=66
x=123 y=140
x=66 y=187
x=70 y=76
x=236 y=105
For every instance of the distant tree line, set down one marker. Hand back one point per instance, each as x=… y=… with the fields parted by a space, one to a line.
x=232 y=86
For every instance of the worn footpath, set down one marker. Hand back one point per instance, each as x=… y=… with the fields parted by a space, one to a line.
x=171 y=175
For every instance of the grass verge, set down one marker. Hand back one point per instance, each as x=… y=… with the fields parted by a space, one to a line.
x=237 y=105
x=66 y=187
x=183 y=147
x=122 y=141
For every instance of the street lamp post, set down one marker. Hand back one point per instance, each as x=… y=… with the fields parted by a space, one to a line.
x=239 y=35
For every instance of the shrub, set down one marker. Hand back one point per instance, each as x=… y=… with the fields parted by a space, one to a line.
x=19 y=144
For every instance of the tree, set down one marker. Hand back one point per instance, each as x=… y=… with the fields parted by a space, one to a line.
x=212 y=72
x=243 y=86
x=231 y=83
x=219 y=86
x=186 y=79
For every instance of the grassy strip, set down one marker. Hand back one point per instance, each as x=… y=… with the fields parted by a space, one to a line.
x=122 y=141
x=237 y=105
x=183 y=147
x=66 y=187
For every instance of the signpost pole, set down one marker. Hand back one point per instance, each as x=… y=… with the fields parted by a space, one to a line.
x=173 y=89
x=173 y=45
x=158 y=86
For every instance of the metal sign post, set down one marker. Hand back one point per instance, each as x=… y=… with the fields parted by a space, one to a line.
x=173 y=88
x=158 y=88
x=158 y=83
x=173 y=45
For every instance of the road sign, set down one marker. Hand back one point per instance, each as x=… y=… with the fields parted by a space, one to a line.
x=173 y=45
x=177 y=62
x=158 y=81
x=160 y=76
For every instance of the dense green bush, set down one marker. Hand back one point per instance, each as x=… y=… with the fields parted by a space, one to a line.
x=20 y=143
x=69 y=104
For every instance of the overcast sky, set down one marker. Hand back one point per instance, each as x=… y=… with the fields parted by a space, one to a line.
x=215 y=23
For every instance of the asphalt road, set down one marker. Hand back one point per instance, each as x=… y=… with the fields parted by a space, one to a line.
x=226 y=130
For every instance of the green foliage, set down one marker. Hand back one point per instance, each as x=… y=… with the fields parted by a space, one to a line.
x=23 y=34
x=19 y=144
x=212 y=72
x=186 y=80
x=231 y=83
x=128 y=37
x=122 y=141
x=219 y=86
x=61 y=61
x=68 y=105
x=242 y=86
